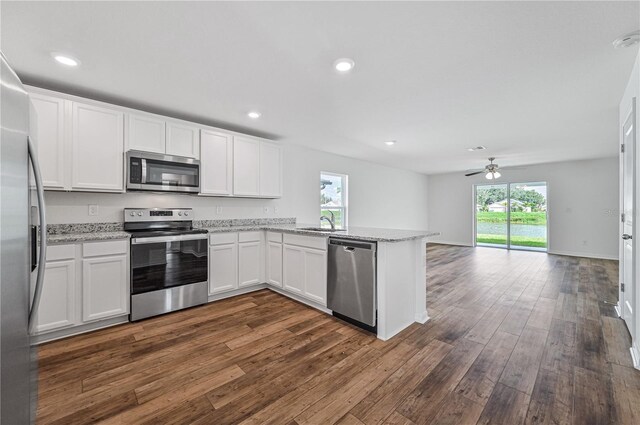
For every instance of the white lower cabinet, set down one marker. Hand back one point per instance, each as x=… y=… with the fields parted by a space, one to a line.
x=305 y=267
x=223 y=267
x=84 y=283
x=57 y=309
x=249 y=255
x=104 y=293
x=274 y=263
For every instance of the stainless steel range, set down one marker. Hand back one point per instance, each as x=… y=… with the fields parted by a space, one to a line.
x=169 y=261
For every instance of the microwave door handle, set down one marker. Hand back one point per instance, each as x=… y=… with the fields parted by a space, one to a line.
x=43 y=234
x=143 y=163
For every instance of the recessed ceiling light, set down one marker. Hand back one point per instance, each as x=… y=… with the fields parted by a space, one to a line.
x=390 y=142
x=65 y=59
x=627 y=40
x=344 y=65
x=254 y=115
x=477 y=148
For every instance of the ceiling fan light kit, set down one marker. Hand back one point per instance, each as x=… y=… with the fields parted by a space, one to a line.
x=490 y=170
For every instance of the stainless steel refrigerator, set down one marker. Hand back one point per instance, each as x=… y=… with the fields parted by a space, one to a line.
x=21 y=256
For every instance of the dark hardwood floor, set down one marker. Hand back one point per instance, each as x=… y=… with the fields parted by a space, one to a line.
x=514 y=337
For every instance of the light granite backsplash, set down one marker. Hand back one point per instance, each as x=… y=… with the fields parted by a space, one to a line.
x=243 y=222
x=61 y=229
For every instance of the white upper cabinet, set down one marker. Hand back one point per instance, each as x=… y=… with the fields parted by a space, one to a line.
x=50 y=139
x=246 y=166
x=270 y=170
x=97 y=142
x=145 y=133
x=182 y=140
x=216 y=163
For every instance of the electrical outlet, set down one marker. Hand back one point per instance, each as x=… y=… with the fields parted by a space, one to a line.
x=275 y=210
x=218 y=210
x=93 y=209
x=266 y=210
x=584 y=243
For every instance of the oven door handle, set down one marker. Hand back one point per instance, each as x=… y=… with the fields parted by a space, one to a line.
x=163 y=239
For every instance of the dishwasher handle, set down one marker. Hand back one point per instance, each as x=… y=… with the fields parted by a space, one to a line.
x=351 y=245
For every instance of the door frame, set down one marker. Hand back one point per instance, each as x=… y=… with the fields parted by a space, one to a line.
x=508 y=245
x=620 y=310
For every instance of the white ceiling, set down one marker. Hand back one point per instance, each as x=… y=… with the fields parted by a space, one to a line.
x=533 y=81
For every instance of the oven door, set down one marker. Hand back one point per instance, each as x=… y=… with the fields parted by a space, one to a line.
x=159 y=263
x=155 y=172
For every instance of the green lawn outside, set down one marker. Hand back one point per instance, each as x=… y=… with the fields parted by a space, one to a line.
x=515 y=240
x=537 y=218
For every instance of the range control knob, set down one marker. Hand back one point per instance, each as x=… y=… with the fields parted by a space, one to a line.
x=186 y=213
x=140 y=213
x=180 y=213
x=132 y=213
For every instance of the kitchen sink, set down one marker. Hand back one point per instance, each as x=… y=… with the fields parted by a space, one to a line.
x=322 y=229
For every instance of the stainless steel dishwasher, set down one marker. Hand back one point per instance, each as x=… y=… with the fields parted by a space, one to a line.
x=351 y=281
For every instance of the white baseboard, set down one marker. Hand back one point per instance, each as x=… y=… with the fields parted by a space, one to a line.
x=300 y=299
x=422 y=317
x=584 y=255
x=241 y=291
x=449 y=243
x=635 y=355
x=77 y=330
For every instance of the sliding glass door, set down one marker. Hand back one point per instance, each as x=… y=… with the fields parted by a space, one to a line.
x=511 y=216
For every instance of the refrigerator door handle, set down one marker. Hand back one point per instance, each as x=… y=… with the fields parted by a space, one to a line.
x=43 y=235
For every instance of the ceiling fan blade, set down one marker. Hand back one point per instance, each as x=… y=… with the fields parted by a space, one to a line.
x=474 y=173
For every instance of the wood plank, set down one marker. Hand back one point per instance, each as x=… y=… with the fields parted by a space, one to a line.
x=522 y=368
x=477 y=385
x=593 y=398
x=423 y=403
x=505 y=406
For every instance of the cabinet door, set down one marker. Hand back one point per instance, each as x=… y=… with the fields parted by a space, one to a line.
x=57 y=305
x=315 y=275
x=293 y=274
x=246 y=166
x=274 y=264
x=98 y=148
x=105 y=288
x=182 y=140
x=145 y=133
x=223 y=268
x=270 y=170
x=216 y=162
x=249 y=263
x=50 y=140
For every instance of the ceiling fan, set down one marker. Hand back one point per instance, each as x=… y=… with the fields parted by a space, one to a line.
x=490 y=170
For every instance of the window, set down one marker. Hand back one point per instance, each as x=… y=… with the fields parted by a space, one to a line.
x=333 y=199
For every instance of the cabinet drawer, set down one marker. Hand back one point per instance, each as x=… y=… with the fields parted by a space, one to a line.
x=249 y=236
x=96 y=249
x=274 y=237
x=61 y=252
x=223 y=238
x=315 y=242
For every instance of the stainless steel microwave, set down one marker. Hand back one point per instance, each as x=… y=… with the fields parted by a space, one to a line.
x=162 y=173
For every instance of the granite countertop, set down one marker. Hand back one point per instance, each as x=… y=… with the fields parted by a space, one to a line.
x=82 y=232
x=360 y=233
x=86 y=236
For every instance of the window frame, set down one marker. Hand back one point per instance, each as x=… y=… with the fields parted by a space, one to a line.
x=344 y=195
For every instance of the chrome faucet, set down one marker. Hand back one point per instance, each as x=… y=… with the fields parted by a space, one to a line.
x=332 y=220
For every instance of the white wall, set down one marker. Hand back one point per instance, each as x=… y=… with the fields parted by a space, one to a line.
x=379 y=196
x=583 y=205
